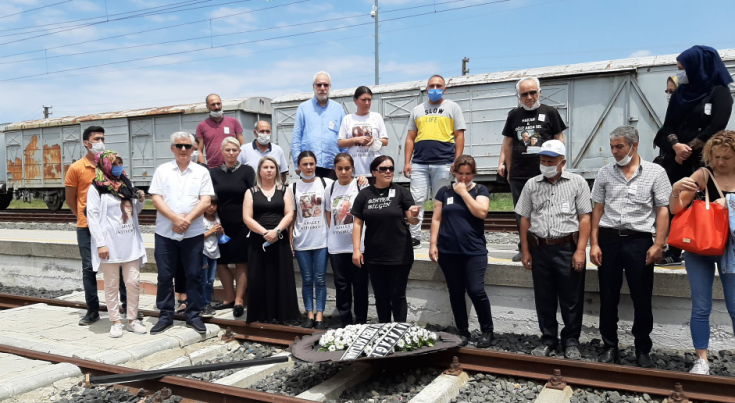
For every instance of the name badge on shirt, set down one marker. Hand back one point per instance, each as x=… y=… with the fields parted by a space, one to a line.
x=632 y=190
x=565 y=207
x=707 y=109
x=227 y=130
x=450 y=200
x=541 y=117
x=392 y=193
x=331 y=125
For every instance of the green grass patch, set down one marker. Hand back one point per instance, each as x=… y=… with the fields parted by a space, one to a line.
x=498 y=202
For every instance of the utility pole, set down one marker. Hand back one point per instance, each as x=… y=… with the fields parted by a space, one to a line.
x=46 y=113
x=465 y=70
x=374 y=14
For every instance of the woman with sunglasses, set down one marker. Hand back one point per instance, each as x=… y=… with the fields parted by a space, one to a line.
x=363 y=133
x=385 y=209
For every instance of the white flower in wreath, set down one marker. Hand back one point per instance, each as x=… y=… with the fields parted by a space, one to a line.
x=332 y=348
x=401 y=343
x=433 y=336
x=330 y=338
x=415 y=339
x=340 y=346
x=368 y=350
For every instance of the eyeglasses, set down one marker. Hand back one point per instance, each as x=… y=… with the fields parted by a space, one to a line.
x=529 y=93
x=322 y=85
x=386 y=169
x=184 y=146
x=669 y=91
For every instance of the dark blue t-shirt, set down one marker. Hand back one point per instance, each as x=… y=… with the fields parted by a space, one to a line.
x=460 y=231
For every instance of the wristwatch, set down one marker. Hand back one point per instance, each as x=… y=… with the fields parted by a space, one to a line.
x=278 y=233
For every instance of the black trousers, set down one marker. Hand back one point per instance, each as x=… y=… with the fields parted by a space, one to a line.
x=556 y=283
x=389 y=287
x=516 y=187
x=625 y=253
x=325 y=173
x=467 y=274
x=170 y=255
x=349 y=281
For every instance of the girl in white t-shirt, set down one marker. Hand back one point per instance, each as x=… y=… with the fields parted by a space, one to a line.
x=363 y=132
x=350 y=281
x=113 y=205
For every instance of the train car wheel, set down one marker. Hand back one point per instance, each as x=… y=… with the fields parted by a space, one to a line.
x=54 y=203
x=5 y=201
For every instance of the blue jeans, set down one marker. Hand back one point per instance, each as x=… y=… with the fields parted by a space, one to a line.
x=313 y=267
x=210 y=270
x=89 y=276
x=701 y=273
x=423 y=177
x=183 y=255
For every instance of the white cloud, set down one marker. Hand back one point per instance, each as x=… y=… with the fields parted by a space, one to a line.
x=83 y=5
x=640 y=53
x=310 y=8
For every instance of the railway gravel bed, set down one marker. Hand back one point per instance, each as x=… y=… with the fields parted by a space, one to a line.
x=35 y=292
x=246 y=351
x=300 y=378
x=79 y=394
x=390 y=386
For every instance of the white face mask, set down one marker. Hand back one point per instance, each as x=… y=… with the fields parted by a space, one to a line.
x=264 y=138
x=97 y=147
x=468 y=184
x=216 y=114
x=681 y=75
x=549 y=172
x=625 y=161
x=668 y=98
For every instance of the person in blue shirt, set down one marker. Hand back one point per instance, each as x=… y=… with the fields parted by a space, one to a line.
x=316 y=127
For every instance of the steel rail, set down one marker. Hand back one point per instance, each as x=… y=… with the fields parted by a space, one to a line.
x=185 y=387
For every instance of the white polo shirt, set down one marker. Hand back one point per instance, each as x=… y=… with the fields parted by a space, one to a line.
x=180 y=192
x=250 y=155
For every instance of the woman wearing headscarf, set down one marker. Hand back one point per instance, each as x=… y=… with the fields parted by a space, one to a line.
x=699 y=108
x=113 y=205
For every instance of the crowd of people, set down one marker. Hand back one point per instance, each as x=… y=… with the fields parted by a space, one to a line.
x=234 y=207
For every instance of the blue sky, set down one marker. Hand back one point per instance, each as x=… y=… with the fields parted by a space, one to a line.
x=270 y=48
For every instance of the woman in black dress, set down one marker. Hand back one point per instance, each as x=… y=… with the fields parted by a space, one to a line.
x=231 y=180
x=267 y=211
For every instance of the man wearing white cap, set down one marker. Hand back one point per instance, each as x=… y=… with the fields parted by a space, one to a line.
x=555 y=210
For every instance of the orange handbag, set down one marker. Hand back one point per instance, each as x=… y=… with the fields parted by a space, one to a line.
x=702 y=228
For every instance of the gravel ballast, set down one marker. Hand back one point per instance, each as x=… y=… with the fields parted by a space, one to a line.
x=34 y=292
x=390 y=386
x=112 y=395
x=489 y=388
x=300 y=378
x=245 y=352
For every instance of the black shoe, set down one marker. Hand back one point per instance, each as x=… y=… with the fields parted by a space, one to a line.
x=207 y=312
x=485 y=340
x=609 y=356
x=89 y=318
x=308 y=323
x=465 y=336
x=197 y=325
x=238 y=311
x=222 y=305
x=140 y=315
x=668 y=259
x=541 y=351
x=161 y=326
x=320 y=325
x=572 y=353
x=643 y=359
x=517 y=257
x=415 y=242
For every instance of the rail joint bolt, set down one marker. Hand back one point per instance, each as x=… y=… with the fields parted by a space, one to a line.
x=454 y=368
x=556 y=381
x=678 y=396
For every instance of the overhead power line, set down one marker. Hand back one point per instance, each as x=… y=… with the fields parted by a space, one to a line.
x=34 y=9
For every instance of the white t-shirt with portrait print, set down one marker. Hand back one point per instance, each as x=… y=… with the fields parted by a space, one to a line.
x=310 y=226
x=339 y=204
x=370 y=125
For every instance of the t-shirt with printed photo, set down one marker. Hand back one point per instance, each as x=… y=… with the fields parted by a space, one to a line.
x=340 y=199
x=371 y=126
x=529 y=130
x=435 y=125
x=310 y=228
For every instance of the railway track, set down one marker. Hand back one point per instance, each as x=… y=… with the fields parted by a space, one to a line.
x=494 y=222
x=575 y=373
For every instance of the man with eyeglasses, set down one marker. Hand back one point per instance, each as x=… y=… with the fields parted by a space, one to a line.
x=519 y=158
x=181 y=191
x=251 y=153
x=316 y=128
x=435 y=139
x=555 y=212
x=212 y=130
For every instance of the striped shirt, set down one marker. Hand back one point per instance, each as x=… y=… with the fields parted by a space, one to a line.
x=629 y=203
x=554 y=208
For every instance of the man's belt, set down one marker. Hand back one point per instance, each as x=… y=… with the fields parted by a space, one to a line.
x=536 y=241
x=625 y=232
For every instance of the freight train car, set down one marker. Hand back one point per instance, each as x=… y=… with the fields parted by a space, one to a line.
x=39 y=152
x=592 y=98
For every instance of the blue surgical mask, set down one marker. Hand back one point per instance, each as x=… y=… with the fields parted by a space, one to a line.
x=116 y=170
x=436 y=94
x=307 y=177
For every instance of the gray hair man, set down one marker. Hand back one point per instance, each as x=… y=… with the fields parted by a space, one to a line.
x=213 y=129
x=631 y=207
x=526 y=129
x=181 y=191
x=316 y=127
x=555 y=227
x=251 y=153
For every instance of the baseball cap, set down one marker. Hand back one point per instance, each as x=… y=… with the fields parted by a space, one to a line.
x=553 y=148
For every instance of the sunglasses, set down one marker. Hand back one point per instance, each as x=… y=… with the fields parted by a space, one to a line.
x=386 y=169
x=529 y=93
x=669 y=91
x=184 y=146
x=322 y=85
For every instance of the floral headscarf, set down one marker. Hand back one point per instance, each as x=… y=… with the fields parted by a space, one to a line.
x=105 y=182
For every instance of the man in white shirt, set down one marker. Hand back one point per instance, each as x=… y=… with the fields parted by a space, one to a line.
x=181 y=191
x=251 y=153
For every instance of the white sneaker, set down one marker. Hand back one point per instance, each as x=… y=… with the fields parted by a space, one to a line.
x=136 y=327
x=701 y=367
x=116 y=330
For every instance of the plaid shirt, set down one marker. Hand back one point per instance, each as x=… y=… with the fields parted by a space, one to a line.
x=554 y=208
x=629 y=203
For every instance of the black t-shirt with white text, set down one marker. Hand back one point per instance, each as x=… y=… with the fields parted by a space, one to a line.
x=387 y=238
x=530 y=129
